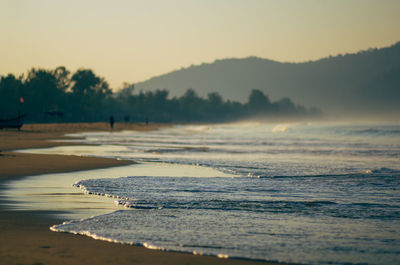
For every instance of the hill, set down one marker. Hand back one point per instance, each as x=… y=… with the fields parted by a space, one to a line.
x=367 y=81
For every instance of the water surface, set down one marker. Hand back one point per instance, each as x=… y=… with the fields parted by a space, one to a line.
x=305 y=193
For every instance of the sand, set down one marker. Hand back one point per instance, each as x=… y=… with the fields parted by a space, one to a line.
x=25 y=235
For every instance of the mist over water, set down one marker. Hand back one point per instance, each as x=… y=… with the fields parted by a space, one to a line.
x=307 y=193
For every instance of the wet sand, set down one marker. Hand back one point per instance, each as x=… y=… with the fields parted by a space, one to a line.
x=25 y=235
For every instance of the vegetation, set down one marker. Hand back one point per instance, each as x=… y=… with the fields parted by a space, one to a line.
x=59 y=96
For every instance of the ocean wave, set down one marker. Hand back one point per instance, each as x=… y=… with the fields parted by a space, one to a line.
x=132 y=193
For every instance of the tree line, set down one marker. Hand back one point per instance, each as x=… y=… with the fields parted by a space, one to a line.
x=61 y=96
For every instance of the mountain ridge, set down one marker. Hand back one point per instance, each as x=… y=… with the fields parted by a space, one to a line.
x=346 y=82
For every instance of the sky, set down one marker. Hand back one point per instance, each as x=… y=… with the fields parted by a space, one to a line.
x=132 y=41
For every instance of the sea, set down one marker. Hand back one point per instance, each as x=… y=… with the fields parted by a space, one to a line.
x=308 y=193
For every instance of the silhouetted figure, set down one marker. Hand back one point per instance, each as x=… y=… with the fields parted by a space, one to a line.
x=147 y=121
x=112 y=122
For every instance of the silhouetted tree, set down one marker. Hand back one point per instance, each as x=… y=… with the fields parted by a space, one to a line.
x=88 y=92
x=10 y=93
x=41 y=92
x=84 y=96
x=258 y=102
x=216 y=108
x=85 y=82
x=286 y=106
x=62 y=76
x=192 y=105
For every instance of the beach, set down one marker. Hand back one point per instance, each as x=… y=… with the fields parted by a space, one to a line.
x=26 y=238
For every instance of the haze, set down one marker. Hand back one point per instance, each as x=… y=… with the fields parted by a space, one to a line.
x=131 y=41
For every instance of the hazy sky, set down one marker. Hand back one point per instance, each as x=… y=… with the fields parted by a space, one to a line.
x=134 y=40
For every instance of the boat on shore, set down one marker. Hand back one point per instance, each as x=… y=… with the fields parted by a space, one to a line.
x=17 y=122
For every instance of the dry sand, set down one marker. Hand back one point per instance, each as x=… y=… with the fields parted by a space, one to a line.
x=25 y=236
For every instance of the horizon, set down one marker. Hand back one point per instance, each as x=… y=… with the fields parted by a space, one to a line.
x=134 y=41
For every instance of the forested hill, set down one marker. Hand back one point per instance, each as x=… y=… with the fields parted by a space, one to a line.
x=365 y=81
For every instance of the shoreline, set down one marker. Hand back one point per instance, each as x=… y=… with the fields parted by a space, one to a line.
x=26 y=237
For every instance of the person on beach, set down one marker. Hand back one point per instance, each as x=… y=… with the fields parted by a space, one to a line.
x=112 y=122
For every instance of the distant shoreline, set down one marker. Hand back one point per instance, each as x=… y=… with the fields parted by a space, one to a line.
x=26 y=237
